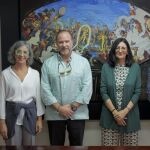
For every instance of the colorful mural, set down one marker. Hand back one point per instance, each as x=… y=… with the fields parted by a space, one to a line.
x=95 y=24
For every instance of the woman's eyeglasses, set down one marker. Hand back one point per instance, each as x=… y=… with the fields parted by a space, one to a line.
x=64 y=71
x=122 y=49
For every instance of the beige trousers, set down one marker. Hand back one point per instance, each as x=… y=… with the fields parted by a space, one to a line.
x=21 y=137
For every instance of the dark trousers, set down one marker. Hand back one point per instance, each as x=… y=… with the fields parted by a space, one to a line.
x=57 y=130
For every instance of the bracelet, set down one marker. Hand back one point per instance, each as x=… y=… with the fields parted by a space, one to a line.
x=113 y=110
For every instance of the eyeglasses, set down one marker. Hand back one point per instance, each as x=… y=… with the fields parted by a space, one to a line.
x=20 y=52
x=64 y=71
x=122 y=49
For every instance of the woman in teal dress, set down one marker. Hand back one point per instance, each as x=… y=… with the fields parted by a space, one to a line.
x=120 y=90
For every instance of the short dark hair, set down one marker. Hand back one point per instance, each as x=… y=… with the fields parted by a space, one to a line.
x=14 y=47
x=61 y=31
x=112 y=60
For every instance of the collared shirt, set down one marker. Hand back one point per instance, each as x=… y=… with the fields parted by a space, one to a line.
x=13 y=89
x=66 y=83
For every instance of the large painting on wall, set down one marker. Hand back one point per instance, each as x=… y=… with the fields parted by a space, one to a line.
x=95 y=24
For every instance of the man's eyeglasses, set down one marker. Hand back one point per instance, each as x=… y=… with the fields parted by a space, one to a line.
x=64 y=71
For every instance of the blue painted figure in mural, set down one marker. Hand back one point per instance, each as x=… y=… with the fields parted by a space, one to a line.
x=66 y=85
x=120 y=90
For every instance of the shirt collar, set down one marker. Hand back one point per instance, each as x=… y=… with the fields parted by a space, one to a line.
x=61 y=59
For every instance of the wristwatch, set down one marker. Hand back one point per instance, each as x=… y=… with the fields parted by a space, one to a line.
x=74 y=106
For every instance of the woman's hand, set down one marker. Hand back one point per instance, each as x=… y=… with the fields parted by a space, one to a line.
x=3 y=129
x=39 y=124
x=123 y=113
x=119 y=117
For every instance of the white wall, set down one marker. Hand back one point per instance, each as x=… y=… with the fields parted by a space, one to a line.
x=92 y=135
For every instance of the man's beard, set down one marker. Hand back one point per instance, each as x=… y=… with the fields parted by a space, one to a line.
x=65 y=50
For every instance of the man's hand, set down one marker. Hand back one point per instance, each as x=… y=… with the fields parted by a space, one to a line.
x=65 y=110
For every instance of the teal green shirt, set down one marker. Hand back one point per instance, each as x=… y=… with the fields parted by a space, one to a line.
x=131 y=92
x=76 y=86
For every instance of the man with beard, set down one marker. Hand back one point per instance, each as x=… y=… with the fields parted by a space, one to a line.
x=66 y=89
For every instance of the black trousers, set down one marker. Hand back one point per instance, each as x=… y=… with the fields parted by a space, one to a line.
x=57 y=130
